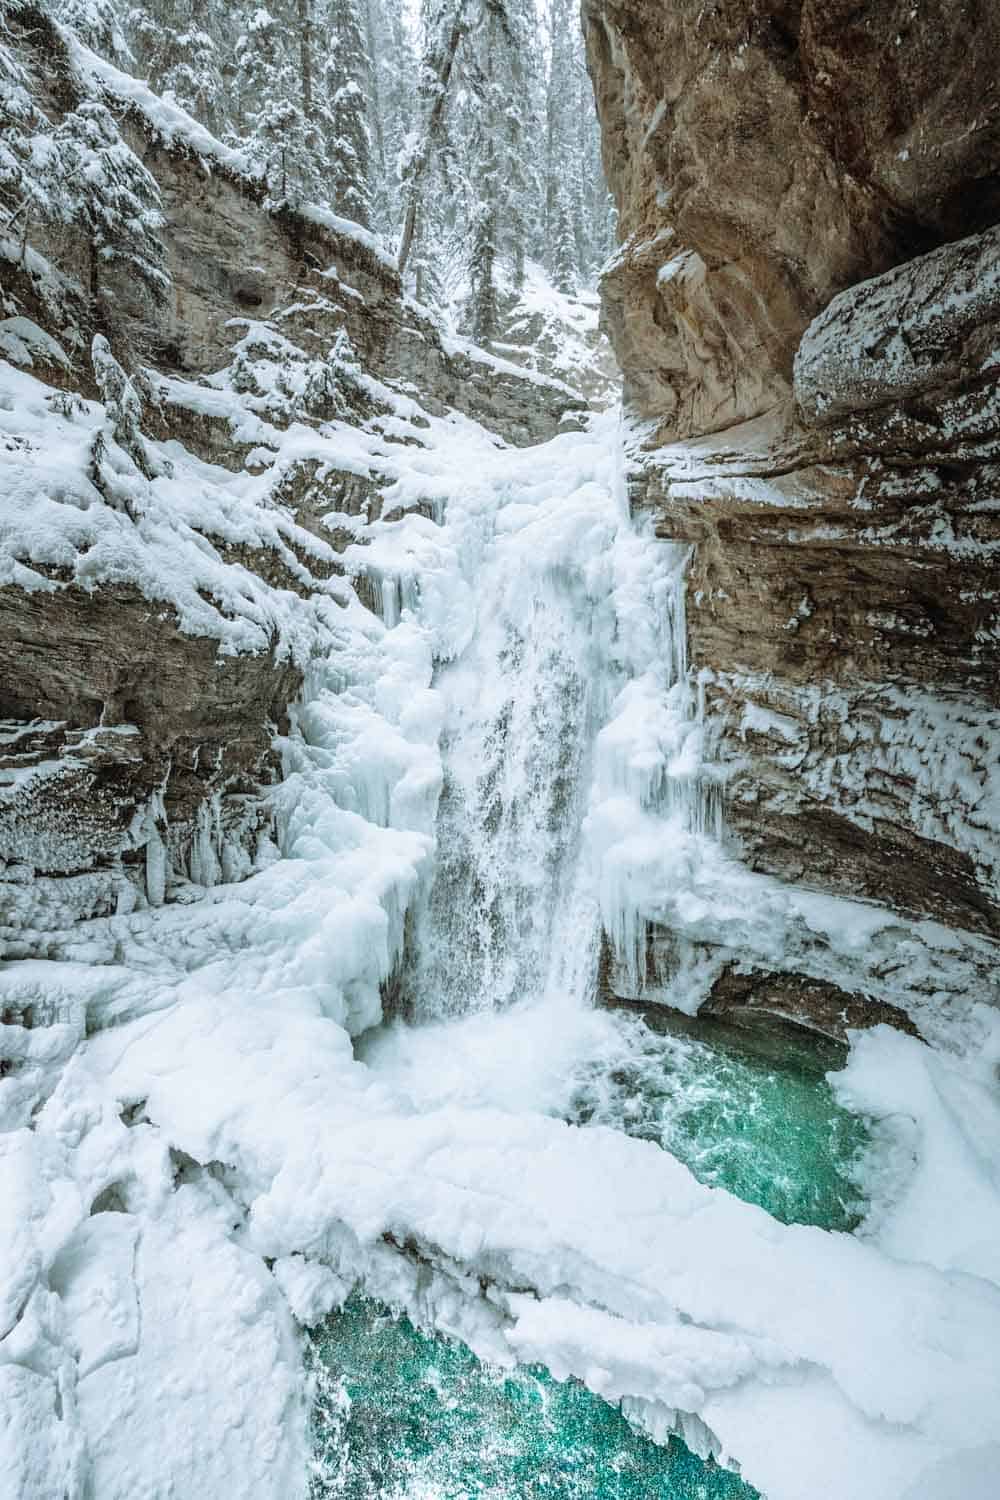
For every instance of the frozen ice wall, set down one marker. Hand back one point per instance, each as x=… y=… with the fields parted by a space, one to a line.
x=569 y=728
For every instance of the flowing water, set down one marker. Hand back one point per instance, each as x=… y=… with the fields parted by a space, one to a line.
x=754 y=1115
x=571 y=731
x=409 y=1417
x=405 y=1417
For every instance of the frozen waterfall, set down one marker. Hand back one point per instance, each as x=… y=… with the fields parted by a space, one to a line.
x=226 y=1143
x=569 y=731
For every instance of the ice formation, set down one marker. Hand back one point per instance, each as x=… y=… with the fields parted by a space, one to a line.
x=507 y=761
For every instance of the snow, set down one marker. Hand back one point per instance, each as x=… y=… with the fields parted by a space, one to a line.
x=455 y=344
x=169 y=122
x=880 y=341
x=194 y=1290
x=205 y=1115
x=173 y=125
x=347 y=227
x=941 y=1113
x=23 y=341
x=559 y=334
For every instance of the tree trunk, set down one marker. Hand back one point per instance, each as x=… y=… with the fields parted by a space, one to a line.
x=305 y=57
x=433 y=127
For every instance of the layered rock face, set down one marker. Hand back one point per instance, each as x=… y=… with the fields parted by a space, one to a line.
x=806 y=307
x=764 y=156
x=153 y=638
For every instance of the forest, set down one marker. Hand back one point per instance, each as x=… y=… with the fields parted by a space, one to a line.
x=462 y=132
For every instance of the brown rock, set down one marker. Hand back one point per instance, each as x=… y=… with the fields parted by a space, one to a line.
x=766 y=154
x=752 y=999
x=806 y=306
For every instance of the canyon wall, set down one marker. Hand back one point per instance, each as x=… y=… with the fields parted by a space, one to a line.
x=806 y=309
x=179 y=500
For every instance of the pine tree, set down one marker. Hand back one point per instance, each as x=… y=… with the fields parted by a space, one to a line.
x=178 y=49
x=112 y=196
x=446 y=22
x=394 y=67
x=80 y=172
x=97 y=24
x=520 y=175
x=350 y=83
x=267 y=118
x=500 y=136
x=491 y=40
x=563 y=252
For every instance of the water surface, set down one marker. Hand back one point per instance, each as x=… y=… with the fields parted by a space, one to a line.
x=400 y=1416
x=405 y=1416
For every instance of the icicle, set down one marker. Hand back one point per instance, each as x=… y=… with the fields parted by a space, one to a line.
x=205 y=867
x=156 y=868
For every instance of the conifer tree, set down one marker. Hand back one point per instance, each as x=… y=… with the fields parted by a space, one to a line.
x=446 y=23
x=267 y=118
x=97 y=23
x=394 y=66
x=351 y=84
x=427 y=133
x=177 y=49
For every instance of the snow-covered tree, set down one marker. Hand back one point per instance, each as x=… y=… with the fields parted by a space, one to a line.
x=350 y=82
x=98 y=24
x=178 y=47
x=114 y=197
x=77 y=171
x=392 y=101
x=577 y=203
x=445 y=24
x=424 y=123
x=266 y=96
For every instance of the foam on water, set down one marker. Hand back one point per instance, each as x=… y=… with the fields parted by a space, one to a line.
x=405 y=1417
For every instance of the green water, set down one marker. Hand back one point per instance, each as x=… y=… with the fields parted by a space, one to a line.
x=406 y=1417
x=749 y=1112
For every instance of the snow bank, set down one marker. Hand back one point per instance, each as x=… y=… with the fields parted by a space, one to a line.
x=168 y=537
x=167 y=120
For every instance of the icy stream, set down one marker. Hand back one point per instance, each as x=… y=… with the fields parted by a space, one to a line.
x=406 y=1416
x=568 y=723
x=541 y=714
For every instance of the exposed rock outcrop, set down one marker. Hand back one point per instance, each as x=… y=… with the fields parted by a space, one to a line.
x=806 y=306
x=764 y=156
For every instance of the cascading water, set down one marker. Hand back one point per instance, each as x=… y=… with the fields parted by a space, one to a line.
x=516 y=750
x=571 y=751
x=570 y=722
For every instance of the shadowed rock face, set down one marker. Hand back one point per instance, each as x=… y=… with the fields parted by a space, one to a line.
x=764 y=156
x=806 y=307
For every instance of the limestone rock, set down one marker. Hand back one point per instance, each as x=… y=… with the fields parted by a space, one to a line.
x=927 y=325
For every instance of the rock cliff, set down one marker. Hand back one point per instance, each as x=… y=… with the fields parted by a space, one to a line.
x=179 y=500
x=806 y=308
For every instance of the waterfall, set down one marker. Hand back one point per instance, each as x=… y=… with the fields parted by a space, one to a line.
x=571 y=742
x=516 y=750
